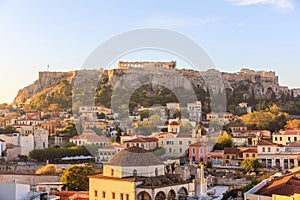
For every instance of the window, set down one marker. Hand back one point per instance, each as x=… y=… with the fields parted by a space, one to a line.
x=180 y=142
x=112 y=172
x=193 y=150
x=95 y=193
x=295 y=139
x=253 y=155
x=269 y=149
x=156 y=172
x=103 y=194
x=180 y=150
x=275 y=138
x=247 y=155
x=263 y=149
x=228 y=157
x=190 y=142
x=170 y=150
x=201 y=150
x=122 y=196
x=280 y=138
x=134 y=172
x=127 y=196
x=289 y=139
x=113 y=195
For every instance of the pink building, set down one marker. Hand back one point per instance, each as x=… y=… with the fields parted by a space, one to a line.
x=198 y=151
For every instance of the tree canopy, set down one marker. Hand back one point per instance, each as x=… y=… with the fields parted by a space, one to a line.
x=76 y=178
x=49 y=169
x=251 y=165
x=224 y=140
x=271 y=119
x=294 y=124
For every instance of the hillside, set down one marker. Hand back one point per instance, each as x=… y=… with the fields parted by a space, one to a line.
x=54 y=90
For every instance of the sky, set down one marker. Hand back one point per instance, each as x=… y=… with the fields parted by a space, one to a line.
x=255 y=34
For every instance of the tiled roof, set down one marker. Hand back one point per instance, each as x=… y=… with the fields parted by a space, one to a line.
x=286 y=186
x=231 y=150
x=251 y=150
x=142 y=140
x=174 y=123
x=184 y=135
x=265 y=142
x=294 y=144
x=289 y=132
x=90 y=136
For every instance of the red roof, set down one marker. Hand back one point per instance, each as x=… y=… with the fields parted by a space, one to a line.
x=142 y=140
x=286 y=186
x=252 y=150
x=173 y=123
x=231 y=150
x=265 y=142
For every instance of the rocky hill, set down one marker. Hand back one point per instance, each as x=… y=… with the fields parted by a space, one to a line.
x=56 y=87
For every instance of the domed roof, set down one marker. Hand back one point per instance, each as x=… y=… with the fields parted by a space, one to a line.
x=134 y=156
x=174 y=123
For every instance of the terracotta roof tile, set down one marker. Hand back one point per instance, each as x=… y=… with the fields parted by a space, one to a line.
x=286 y=186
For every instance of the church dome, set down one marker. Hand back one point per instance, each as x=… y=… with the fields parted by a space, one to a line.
x=134 y=156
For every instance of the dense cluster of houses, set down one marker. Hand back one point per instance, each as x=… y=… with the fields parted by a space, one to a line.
x=34 y=131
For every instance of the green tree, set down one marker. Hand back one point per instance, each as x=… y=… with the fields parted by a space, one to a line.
x=76 y=178
x=251 y=165
x=224 y=140
x=23 y=158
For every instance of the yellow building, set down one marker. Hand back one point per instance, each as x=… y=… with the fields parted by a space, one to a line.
x=136 y=174
x=223 y=118
x=285 y=137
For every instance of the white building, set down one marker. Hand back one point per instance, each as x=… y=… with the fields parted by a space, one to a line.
x=11 y=191
x=195 y=111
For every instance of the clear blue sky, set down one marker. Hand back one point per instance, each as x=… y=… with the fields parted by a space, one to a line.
x=257 y=34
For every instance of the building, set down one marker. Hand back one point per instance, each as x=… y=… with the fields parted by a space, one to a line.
x=91 y=112
x=134 y=173
x=176 y=144
x=222 y=118
x=215 y=157
x=49 y=186
x=106 y=152
x=51 y=126
x=287 y=136
x=195 y=111
x=250 y=137
x=250 y=153
x=148 y=143
x=275 y=155
x=89 y=137
x=173 y=127
x=198 y=151
x=19 y=191
x=232 y=156
x=161 y=65
x=282 y=188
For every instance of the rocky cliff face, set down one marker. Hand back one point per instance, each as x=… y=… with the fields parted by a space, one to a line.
x=258 y=83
